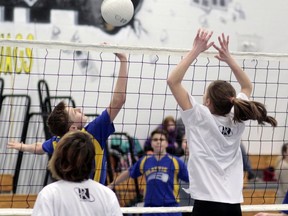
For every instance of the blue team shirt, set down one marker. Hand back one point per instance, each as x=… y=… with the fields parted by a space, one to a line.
x=100 y=128
x=162 y=180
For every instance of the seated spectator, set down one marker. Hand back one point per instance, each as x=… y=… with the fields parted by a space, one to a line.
x=74 y=193
x=281 y=174
x=185 y=198
x=169 y=125
x=180 y=131
x=184 y=146
x=162 y=173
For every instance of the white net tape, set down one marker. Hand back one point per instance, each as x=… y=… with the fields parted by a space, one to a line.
x=143 y=210
x=131 y=49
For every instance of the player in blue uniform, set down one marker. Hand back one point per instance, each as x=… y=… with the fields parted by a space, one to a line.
x=100 y=128
x=63 y=119
x=162 y=173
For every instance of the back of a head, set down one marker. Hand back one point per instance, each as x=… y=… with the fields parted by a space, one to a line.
x=167 y=120
x=58 y=120
x=73 y=157
x=284 y=150
x=282 y=157
x=220 y=93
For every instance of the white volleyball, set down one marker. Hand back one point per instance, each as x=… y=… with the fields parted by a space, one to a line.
x=117 y=12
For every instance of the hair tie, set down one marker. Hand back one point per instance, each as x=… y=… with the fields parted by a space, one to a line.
x=232 y=99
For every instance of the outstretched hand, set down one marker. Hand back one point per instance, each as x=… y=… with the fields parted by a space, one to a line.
x=201 y=41
x=224 y=54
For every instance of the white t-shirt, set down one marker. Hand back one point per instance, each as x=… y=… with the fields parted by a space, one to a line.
x=215 y=162
x=89 y=198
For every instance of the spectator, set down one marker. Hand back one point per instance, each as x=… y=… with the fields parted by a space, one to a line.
x=281 y=174
x=180 y=131
x=185 y=198
x=169 y=125
x=185 y=148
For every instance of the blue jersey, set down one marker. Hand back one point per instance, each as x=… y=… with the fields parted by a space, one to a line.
x=162 y=180
x=100 y=128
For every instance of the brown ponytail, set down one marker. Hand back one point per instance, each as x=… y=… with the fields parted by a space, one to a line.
x=251 y=110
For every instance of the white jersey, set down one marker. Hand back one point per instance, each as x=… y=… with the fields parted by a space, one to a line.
x=215 y=162
x=87 y=198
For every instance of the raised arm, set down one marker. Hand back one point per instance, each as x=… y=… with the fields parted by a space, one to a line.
x=121 y=178
x=225 y=56
x=35 y=148
x=119 y=94
x=176 y=76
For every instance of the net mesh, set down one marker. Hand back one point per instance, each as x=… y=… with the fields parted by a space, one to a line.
x=36 y=75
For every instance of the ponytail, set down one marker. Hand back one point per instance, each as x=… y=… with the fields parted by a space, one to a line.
x=251 y=110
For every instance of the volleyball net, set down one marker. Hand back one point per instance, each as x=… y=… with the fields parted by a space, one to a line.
x=36 y=75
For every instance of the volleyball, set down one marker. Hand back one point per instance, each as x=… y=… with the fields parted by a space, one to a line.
x=117 y=12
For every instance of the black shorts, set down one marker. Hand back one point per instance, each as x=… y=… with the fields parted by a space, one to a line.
x=207 y=208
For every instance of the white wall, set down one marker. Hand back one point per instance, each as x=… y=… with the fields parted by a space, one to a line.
x=173 y=24
x=247 y=22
